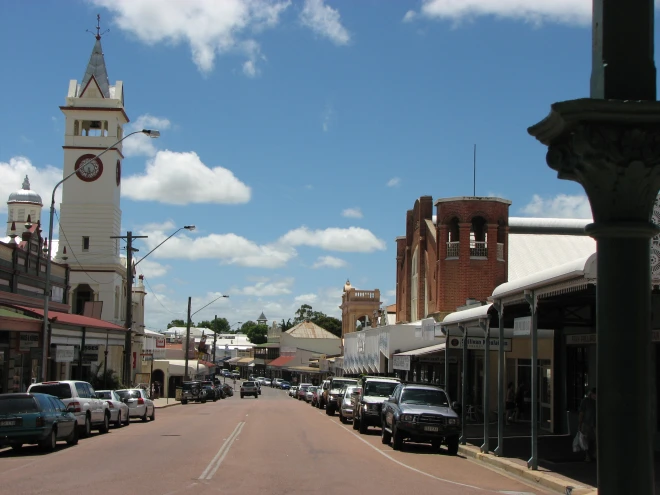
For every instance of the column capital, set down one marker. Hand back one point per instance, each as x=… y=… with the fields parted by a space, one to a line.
x=610 y=147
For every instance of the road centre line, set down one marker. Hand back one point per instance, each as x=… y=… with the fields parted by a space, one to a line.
x=410 y=467
x=220 y=456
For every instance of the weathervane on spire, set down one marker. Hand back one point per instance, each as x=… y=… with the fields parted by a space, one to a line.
x=98 y=28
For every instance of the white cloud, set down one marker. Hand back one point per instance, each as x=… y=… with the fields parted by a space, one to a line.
x=324 y=21
x=560 y=206
x=141 y=144
x=393 y=182
x=327 y=117
x=352 y=239
x=306 y=299
x=352 y=213
x=410 y=16
x=210 y=27
x=151 y=268
x=181 y=178
x=575 y=12
x=227 y=248
x=42 y=181
x=266 y=288
x=329 y=262
x=249 y=69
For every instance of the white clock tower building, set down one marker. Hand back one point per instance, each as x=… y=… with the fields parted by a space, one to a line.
x=90 y=213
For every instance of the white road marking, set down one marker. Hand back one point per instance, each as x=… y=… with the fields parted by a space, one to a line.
x=420 y=471
x=222 y=453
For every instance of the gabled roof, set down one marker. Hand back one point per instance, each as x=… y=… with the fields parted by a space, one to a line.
x=309 y=330
x=262 y=316
x=96 y=68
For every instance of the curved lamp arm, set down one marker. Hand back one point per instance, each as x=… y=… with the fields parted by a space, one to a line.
x=187 y=227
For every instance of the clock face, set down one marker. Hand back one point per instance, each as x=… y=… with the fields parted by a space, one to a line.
x=118 y=171
x=89 y=168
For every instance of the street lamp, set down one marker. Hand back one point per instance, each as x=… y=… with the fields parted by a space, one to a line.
x=46 y=337
x=187 y=227
x=185 y=376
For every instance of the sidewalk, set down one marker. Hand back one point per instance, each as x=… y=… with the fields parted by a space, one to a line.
x=164 y=402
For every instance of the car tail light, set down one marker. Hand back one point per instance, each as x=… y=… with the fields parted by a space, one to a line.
x=110 y=404
x=40 y=422
x=140 y=401
x=76 y=406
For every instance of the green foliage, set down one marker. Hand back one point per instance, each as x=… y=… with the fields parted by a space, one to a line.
x=329 y=323
x=106 y=381
x=256 y=333
x=286 y=326
x=217 y=325
x=303 y=313
x=177 y=323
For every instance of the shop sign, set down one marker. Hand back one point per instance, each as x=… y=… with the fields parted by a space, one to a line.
x=160 y=342
x=401 y=362
x=522 y=326
x=581 y=339
x=90 y=354
x=27 y=341
x=64 y=353
x=478 y=343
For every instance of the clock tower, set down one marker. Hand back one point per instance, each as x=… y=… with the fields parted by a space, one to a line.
x=90 y=213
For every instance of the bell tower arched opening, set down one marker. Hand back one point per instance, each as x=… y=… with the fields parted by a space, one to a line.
x=81 y=294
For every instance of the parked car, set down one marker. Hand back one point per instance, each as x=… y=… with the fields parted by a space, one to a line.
x=333 y=393
x=310 y=393
x=91 y=412
x=284 y=385
x=119 y=413
x=192 y=391
x=36 y=418
x=267 y=382
x=276 y=382
x=420 y=413
x=315 y=396
x=346 y=410
x=321 y=400
x=249 y=388
x=227 y=389
x=302 y=390
x=213 y=393
x=369 y=402
x=293 y=391
x=139 y=403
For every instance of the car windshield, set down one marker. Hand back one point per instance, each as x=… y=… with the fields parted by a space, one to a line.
x=248 y=384
x=104 y=394
x=285 y=383
x=312 y=389
x=424 y=396
x=129 y=394
x=59 y=390
x=17 y=405
x=380 y=389
x=341 y=384
x=350 y=390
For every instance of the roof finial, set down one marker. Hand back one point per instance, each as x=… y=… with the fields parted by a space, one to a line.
x=98 y=28
x=26 y=183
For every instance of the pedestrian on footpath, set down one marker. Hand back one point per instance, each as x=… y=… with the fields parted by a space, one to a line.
x=510 y=403
x=587 y=423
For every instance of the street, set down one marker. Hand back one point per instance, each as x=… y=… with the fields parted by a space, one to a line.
x=270 y=445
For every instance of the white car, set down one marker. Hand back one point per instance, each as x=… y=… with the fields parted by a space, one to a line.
x=139 y=403
x=119 y=412
x=292 y=391
x=90 y=411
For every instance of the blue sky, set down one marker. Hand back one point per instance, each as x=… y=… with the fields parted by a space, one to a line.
x=295 y=135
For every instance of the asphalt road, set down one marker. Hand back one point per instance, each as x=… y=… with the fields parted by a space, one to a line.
x=271 y=445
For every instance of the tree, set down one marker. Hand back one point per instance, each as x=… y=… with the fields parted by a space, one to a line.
x=177 y=323
x=287 y=325
x=303 y=313
x=256 y=333
x=329 y=323
x=217 y=325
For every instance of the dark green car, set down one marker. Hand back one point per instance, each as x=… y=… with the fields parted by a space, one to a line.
x=35 y=419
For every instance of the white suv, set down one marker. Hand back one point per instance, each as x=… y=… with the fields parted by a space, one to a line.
x=91 y=412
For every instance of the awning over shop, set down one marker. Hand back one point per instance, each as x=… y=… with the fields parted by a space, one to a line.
x=246 y=361
x=304 y=369
x=58 y=317
x=11 y=320
x=424 y=350
x=280 y=361
x=234 y=360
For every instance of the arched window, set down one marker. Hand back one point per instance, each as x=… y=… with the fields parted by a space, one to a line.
x=414 y=289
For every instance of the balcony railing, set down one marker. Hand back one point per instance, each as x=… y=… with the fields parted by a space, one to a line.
x=452 y=249
x=478 y=250
x=500 y=251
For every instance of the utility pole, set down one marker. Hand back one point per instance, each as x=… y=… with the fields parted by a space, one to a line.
x=185 y=376
x=215 y=338
x=129 y=237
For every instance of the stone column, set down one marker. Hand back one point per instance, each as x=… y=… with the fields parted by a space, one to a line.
x=612 y=148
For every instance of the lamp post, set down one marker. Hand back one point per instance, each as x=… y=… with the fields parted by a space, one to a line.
x=185 y=376
x=128 y=344
x=46 y=337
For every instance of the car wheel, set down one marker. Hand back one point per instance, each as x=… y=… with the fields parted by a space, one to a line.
x=17 y=447
x=127 y=421
x=87 y=428
x=343 y=419
x=118 y=422
x=105 y=427
x=330 y=411
x=385 y=436
x=356 y=423
x=452 y=445
x=363 y=427
x=397 y=438
x=435 y=444
x=50 y=442
x=153 y=414
x=144 y=416
x=73 y=438
x=242 y=396
x=184 y=401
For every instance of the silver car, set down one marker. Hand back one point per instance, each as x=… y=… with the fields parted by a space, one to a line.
x=119 y=412
x=346 y=408
x=139 y=403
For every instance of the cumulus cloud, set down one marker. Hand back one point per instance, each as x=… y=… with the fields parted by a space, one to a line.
x=329 y=262
x=560 y=206
x=141 y=144
x=210 y=27
x=393 y=182
x=574 y=12
x=324 y=21
x=352 y=213
x=42 y=181
x=306 y=298
x=266 y=288
x=171 y=176
x=152 y=269
x=410 y=16
x=352 y=239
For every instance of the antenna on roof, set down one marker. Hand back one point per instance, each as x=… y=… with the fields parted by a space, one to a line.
x=474 y=171
x=98 y=28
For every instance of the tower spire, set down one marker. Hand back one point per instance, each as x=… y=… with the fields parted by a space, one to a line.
x=96 y=65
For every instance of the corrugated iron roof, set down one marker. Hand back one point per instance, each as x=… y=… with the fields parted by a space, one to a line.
x=74 y=320
x=309 y=330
